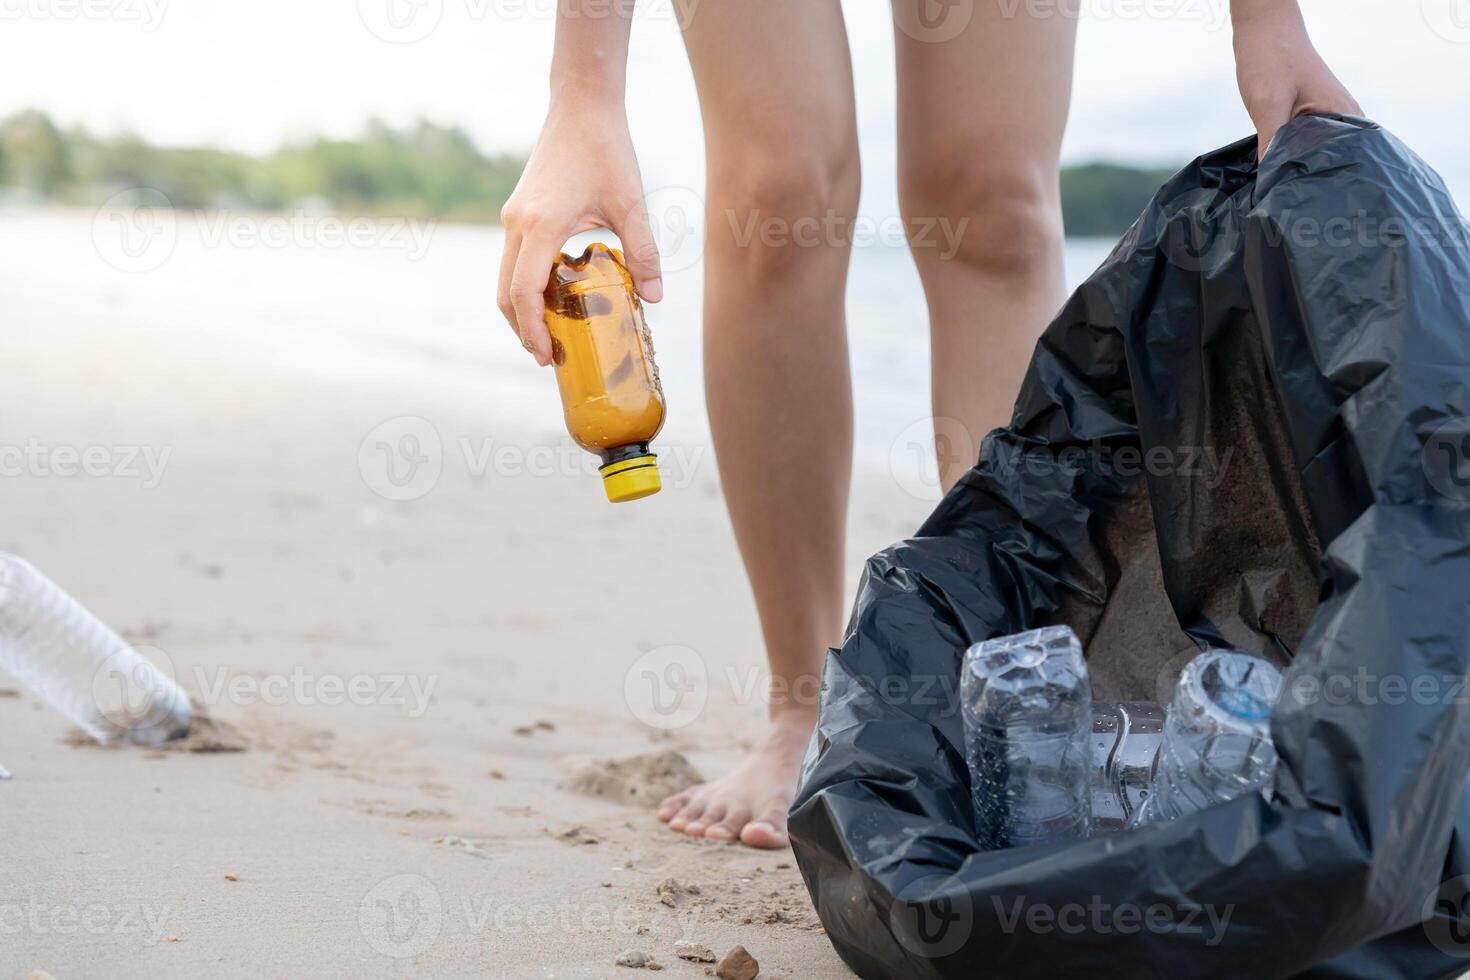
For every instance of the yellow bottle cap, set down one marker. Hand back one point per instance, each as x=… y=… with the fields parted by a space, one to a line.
x=631 y=479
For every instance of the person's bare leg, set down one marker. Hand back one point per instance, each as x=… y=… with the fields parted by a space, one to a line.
x=980 y=122
x=775 y=88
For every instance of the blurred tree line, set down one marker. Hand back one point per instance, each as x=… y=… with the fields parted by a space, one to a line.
x=423 y=171
x=1104 y=199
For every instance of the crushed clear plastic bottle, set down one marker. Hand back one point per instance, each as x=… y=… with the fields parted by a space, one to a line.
x=1027 y=712
x=1217 y=736
x=58 y=649
x=1125 y=741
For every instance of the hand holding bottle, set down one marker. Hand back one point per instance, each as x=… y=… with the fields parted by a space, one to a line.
x=582 y=175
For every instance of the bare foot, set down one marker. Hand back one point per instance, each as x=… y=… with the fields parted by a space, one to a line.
x=750 y=803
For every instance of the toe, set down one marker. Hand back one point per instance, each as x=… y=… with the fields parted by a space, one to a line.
x=729 y=828
x=768 y=832
x=692 y=810
x=713 y=814
x=673 y=805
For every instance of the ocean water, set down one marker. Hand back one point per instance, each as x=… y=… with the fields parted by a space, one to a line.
x=415 y=304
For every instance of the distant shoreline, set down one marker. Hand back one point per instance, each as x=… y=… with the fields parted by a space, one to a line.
x=424 y=172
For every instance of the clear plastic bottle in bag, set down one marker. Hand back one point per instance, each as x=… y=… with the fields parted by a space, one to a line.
x=58 y=649
x=1028 y=728
x=1126 y=736
x=1217 y=736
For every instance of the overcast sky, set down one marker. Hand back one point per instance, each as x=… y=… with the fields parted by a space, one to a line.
x=1154 y=84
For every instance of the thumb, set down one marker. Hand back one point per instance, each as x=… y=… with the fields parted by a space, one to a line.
x=1268 y=120
x=1264 y=136
x=641 y=252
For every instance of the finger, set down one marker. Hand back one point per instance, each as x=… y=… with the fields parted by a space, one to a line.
x=502 y=289
x=527 y=289
x=640 y=251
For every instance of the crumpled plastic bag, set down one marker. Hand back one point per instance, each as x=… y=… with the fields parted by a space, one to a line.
x=1250 y=427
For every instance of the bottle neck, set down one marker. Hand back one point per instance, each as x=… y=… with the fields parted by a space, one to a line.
x=620 y=453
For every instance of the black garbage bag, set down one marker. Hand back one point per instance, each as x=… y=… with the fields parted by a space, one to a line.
x=1249 y=428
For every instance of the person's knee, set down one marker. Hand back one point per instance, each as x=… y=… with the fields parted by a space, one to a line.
x=1000 y=216
x=777 y=203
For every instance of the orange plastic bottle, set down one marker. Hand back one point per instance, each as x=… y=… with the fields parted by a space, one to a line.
x=610 y=389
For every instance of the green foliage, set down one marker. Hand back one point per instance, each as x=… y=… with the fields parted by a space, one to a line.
x=426 y=171
x=1103 y=199
x=37 y=157
x=423 y=171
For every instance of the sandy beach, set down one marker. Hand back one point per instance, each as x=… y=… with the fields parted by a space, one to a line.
x=377 y=559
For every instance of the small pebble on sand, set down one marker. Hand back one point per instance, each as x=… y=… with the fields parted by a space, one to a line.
x=230 y=877
x=693 y=952
x=636 y=959
x=738 y=965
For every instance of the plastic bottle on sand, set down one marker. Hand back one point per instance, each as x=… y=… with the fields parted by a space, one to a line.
x=54 y=646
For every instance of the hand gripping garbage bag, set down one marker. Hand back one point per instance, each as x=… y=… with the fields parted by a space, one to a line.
x=1248 y=427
